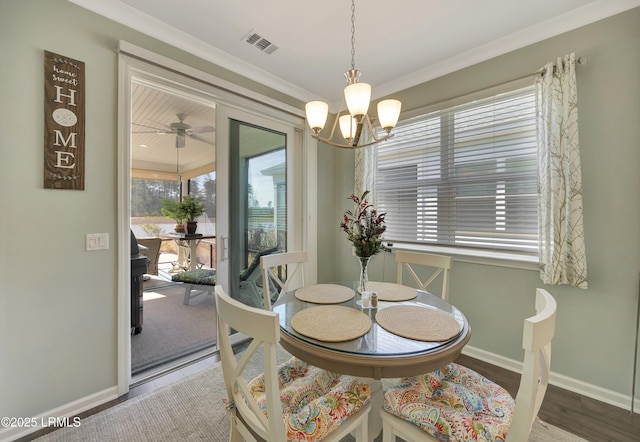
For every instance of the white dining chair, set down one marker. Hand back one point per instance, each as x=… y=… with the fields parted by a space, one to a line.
x=454 y=402
x=291 y=401
x=438 y=263
x=272 y=282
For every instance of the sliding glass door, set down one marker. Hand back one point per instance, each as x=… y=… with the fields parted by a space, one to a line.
x=258 y=184
x=258 y=201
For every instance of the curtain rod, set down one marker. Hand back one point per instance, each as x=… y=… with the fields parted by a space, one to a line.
x=582 y=59
x=515 y=81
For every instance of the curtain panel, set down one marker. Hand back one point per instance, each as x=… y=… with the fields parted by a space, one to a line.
x=366 y=163
x=560 y=221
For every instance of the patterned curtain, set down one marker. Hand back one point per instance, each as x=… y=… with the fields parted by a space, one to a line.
x=562 y=250
x=365 y=170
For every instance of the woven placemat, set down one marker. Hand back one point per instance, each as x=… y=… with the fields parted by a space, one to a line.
x=331 y=323
x=419 y=323
x=390 y=291
x=325 y=293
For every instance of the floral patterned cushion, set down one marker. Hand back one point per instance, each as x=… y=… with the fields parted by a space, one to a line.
x=453 y=404
x=314 y=401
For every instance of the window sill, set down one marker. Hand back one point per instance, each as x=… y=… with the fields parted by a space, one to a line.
x=475 y=256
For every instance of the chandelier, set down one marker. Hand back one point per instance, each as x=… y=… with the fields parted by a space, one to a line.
x=357 y=97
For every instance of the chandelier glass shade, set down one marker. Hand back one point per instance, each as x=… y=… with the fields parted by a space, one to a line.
x=357 y=97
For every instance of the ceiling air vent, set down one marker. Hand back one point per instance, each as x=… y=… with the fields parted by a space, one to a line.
x=258 y=41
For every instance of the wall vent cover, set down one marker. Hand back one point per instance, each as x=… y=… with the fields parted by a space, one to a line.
x=258 y=41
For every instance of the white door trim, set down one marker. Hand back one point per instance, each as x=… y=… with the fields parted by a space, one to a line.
x=138 y=62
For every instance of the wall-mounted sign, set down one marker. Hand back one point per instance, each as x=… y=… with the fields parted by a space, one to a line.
x=64 y=121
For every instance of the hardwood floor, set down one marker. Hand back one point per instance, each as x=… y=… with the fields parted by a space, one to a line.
x=585 y=417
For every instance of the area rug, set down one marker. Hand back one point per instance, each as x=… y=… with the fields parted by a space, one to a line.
x=192 y=409
x=170 y=329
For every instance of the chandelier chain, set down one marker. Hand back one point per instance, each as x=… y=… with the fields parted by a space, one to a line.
x=353 y=34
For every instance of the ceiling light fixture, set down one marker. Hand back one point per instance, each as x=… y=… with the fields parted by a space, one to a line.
x=357 y=97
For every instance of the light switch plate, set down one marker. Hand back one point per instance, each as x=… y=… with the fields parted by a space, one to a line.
x=96 y=241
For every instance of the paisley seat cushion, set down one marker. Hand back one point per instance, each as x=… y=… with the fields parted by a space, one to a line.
x=314 y=401
x=453 y=404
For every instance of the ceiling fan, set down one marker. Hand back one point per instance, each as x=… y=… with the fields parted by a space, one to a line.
x=181 y=129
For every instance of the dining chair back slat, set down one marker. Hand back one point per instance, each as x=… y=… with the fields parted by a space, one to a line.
x=536 y=341
x=263 y=327
x=313 y=404
x=441 y=264
x=272 y=284
x=457 y=383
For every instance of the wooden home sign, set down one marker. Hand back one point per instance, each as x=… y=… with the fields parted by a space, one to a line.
x=64 y=121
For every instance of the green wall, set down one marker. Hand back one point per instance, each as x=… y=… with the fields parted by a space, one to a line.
x=58 y=303
x=596 y=327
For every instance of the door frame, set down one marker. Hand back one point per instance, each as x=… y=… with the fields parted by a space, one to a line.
x=294 y=167
x=136 y=62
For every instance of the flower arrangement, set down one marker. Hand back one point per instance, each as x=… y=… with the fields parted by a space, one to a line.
x=364 y=227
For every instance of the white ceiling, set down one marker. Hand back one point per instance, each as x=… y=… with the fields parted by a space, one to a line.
x=153 y=143
x=398 y=43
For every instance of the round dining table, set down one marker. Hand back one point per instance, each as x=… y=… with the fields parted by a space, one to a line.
x=376 y=354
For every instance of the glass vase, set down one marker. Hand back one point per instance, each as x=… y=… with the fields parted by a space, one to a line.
x=364 y=276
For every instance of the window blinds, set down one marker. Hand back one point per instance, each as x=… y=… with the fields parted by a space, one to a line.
x=463 y=176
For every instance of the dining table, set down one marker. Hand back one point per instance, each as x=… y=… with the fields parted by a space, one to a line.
x=187 y=250
x=409 y=332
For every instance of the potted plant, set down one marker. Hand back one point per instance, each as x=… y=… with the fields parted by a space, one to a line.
x=172 y=209
x=191 y=208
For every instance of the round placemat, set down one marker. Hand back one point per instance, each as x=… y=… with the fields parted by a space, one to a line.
x=390 y=291
x=419 y=323
x=331 y=323
x=325 y=293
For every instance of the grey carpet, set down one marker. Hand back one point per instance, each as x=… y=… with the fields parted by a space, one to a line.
x=170 y=329
x=192 y=409
x=158 y=282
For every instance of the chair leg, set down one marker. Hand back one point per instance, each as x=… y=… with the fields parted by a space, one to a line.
x=187 y=294
x=208 y=289
x=234 y=434
x=387 y=433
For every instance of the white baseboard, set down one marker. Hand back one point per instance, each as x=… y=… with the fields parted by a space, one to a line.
x=593 y=391
x=57 y=415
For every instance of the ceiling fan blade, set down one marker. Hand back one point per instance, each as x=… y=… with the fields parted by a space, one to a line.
x=159 y=129
x=201 y=129
x=202 y=139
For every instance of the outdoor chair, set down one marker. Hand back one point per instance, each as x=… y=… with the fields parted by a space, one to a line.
x=249 y=278
x=441 y=264
x=201 y=281
x=152 y=251
x=196 y=282
x=290 y=401
x=458 y=404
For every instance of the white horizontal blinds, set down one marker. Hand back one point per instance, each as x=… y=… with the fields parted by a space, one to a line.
x=463 y=176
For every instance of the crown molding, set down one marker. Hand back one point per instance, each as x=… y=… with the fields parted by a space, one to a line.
x=126 y=15
x=130 y=17
x=560 y=24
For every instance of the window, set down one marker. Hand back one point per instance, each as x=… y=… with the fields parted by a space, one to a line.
x=464 y=176
x=147 y=196
x=205 y=186
x=267 y=201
